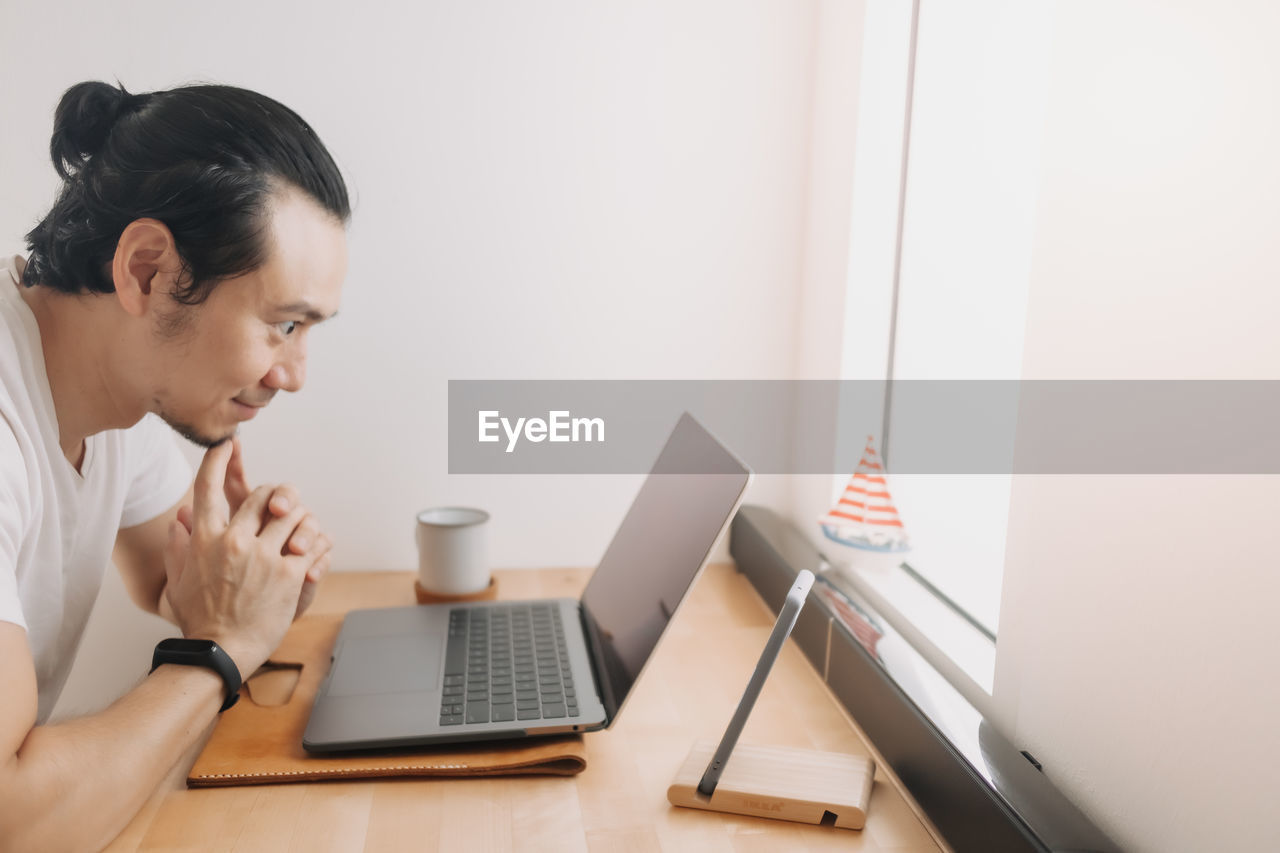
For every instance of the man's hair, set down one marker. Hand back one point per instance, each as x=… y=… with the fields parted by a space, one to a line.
x=204 y=160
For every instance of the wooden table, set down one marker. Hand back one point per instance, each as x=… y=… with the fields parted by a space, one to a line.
x=689 y=690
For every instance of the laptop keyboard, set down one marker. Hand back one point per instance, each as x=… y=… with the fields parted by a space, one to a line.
x=506 y=664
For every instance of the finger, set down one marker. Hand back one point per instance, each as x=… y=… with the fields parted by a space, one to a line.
x=305 y=596
x=284 y=499
x=306 y=534
x=321 y=564
x=311 y=585
x=277 y=530
x=185 y=517
x=237 y=486
x=211 y=509
x=315 y=562
x=252 y=509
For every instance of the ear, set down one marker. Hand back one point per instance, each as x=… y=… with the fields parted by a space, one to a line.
x=145 y=263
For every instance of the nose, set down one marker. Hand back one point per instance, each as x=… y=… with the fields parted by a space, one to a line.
x=288 y=374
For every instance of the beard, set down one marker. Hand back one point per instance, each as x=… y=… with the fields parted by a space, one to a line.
x=193 y=434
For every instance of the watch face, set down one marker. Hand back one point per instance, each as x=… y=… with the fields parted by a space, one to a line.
x=187 y=646
x=206 y=653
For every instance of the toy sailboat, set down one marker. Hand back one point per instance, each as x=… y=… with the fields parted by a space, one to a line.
x=865 y=516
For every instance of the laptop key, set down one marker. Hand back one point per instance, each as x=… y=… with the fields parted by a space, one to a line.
x=455 y=658
x=531 y=714
x=526 y=704
x=477 y=712
x=504 y=713
x=553 y=710
x=451 y=720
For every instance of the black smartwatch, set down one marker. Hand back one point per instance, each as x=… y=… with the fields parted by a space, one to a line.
x=204 y=653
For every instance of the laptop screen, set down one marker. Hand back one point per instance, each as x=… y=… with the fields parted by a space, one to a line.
x=686 y=501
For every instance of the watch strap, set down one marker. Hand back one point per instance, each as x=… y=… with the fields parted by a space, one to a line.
x=203 y=653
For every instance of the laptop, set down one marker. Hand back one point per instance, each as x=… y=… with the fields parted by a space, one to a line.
x=495 y=670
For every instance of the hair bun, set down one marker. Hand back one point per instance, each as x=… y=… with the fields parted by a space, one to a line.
x=84 y=118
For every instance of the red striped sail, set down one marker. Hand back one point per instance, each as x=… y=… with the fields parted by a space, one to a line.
x=864 y=516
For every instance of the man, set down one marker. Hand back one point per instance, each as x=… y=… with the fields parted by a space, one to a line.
x=198 y=235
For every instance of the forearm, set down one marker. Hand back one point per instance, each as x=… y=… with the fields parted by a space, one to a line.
x=75 y=785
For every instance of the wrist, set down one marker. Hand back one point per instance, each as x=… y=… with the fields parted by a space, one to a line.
x=229 y=641
x=192 y=680
x=203 y=654
x=240 y=656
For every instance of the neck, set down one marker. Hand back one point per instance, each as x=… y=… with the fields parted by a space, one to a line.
x=76 y=333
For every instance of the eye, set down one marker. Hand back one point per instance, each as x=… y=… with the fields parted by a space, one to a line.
x=288 y=327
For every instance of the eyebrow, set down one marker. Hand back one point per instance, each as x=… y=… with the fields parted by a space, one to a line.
x=307 y=310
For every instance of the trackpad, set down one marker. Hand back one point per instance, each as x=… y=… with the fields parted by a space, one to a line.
x=404 y=664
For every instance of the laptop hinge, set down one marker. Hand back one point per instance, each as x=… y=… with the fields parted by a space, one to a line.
x=595 y=651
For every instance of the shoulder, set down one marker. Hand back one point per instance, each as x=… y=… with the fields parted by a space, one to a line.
x=16 y=499
x=21 y=358
x=17 y=467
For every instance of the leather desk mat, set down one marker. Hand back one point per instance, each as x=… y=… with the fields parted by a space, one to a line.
x=260 y=742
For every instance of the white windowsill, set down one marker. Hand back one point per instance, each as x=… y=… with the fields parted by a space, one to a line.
x=960 y=652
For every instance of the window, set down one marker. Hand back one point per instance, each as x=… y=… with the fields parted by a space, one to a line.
x=944 y=202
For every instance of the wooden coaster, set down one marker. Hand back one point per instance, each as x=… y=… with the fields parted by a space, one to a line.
x=425 y=597
x=802 y=785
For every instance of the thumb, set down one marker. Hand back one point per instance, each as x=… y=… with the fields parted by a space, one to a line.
x=185 y=516
x=175 y=552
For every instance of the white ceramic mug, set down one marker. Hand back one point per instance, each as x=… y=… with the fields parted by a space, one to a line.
x=453 y=558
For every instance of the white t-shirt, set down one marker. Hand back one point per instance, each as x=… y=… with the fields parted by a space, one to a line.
x=57 y=525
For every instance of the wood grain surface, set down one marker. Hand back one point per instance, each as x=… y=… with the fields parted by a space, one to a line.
x=688 y=691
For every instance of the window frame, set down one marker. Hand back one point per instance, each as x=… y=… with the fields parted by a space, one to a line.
x=963 y=652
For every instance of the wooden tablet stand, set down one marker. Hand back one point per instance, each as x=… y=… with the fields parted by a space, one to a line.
x=790 y=784
x=803 y=785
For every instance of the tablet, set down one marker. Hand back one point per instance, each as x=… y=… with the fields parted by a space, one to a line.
x=781 y=630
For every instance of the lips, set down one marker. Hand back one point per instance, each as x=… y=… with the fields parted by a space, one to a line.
x=247 y=410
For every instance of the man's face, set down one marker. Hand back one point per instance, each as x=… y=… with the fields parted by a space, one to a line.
x=248 y=340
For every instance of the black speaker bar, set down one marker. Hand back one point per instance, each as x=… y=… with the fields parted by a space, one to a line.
x=1007 y=804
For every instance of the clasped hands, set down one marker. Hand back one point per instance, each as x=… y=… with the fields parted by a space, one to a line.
x=241 y=563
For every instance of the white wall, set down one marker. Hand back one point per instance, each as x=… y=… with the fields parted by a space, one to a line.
x=1136 y=654
x=542 y=190
x=841 y=60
